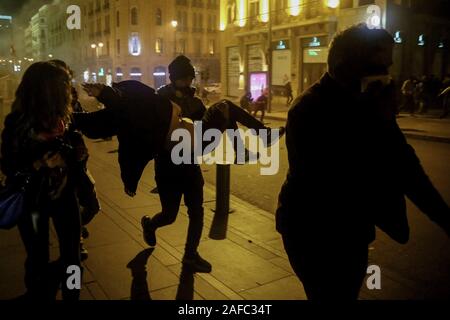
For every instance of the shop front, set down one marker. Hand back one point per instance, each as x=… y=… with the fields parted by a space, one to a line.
x=314 y=60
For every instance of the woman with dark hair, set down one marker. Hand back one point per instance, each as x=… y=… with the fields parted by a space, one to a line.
x=86 y=193
x=37 y=143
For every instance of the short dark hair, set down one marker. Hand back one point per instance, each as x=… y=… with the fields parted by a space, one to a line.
x=351 y=51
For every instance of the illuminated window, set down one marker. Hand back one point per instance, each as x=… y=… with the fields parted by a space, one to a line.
x=134 y=44
x=159 y=45
x=211 y=47
x=134 y=16
x=136 y=74
x=182 y=46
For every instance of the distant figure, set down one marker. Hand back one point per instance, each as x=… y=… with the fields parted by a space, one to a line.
x=261 y=104
x=288 y=90
x=246 y=100
x=408 y=95
x=350 y=168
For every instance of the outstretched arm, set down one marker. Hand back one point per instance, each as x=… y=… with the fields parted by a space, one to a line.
x=110 y=97
x=97 y=125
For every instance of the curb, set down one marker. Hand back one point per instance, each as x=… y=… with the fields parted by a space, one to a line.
x=408 y=135
x=427 y=138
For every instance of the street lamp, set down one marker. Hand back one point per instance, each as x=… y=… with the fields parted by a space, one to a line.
x=96 y=46
x=174 y=24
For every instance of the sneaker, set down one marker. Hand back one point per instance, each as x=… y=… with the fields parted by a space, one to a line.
x=270 y=141
x=196 y=263
x=149 y=231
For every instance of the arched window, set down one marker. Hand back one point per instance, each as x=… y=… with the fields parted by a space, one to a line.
x=134 y=16
x=158 y=17
x=134 y=44
x=159 y=76
x=136 y=74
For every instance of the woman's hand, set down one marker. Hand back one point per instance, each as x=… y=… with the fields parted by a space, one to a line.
x=93 y=89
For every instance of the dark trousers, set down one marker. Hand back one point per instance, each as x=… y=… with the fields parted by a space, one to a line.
x=327 y=271
x=226 y=115
x=41 y=278
x=290 y=98
x=174 y=181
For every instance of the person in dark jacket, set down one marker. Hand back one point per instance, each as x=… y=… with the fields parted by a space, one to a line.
x=36 y=142
x=137 y=116
x=350 y=168
x=86 y=194
x=246 y=100
x=142 y=121
x=174 y=181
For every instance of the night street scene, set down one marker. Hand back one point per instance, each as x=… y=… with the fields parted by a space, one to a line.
x=231 y=150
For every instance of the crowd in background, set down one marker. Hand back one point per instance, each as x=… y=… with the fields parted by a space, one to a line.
x=424 y=93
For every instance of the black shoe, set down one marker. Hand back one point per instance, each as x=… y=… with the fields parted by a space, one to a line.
x=196 y=263
x=84 y=232
x=270 y=140
x=248 y=155
x=149 y=231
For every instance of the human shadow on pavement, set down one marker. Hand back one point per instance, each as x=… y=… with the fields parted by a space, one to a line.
x=138 y=266
x=186 y=286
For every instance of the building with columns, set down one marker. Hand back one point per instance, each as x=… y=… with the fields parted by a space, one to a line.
x=132 y=39
x=275 y=41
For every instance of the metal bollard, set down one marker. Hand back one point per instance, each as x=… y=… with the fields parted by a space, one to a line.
x=222 y=189
x=219 y=224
